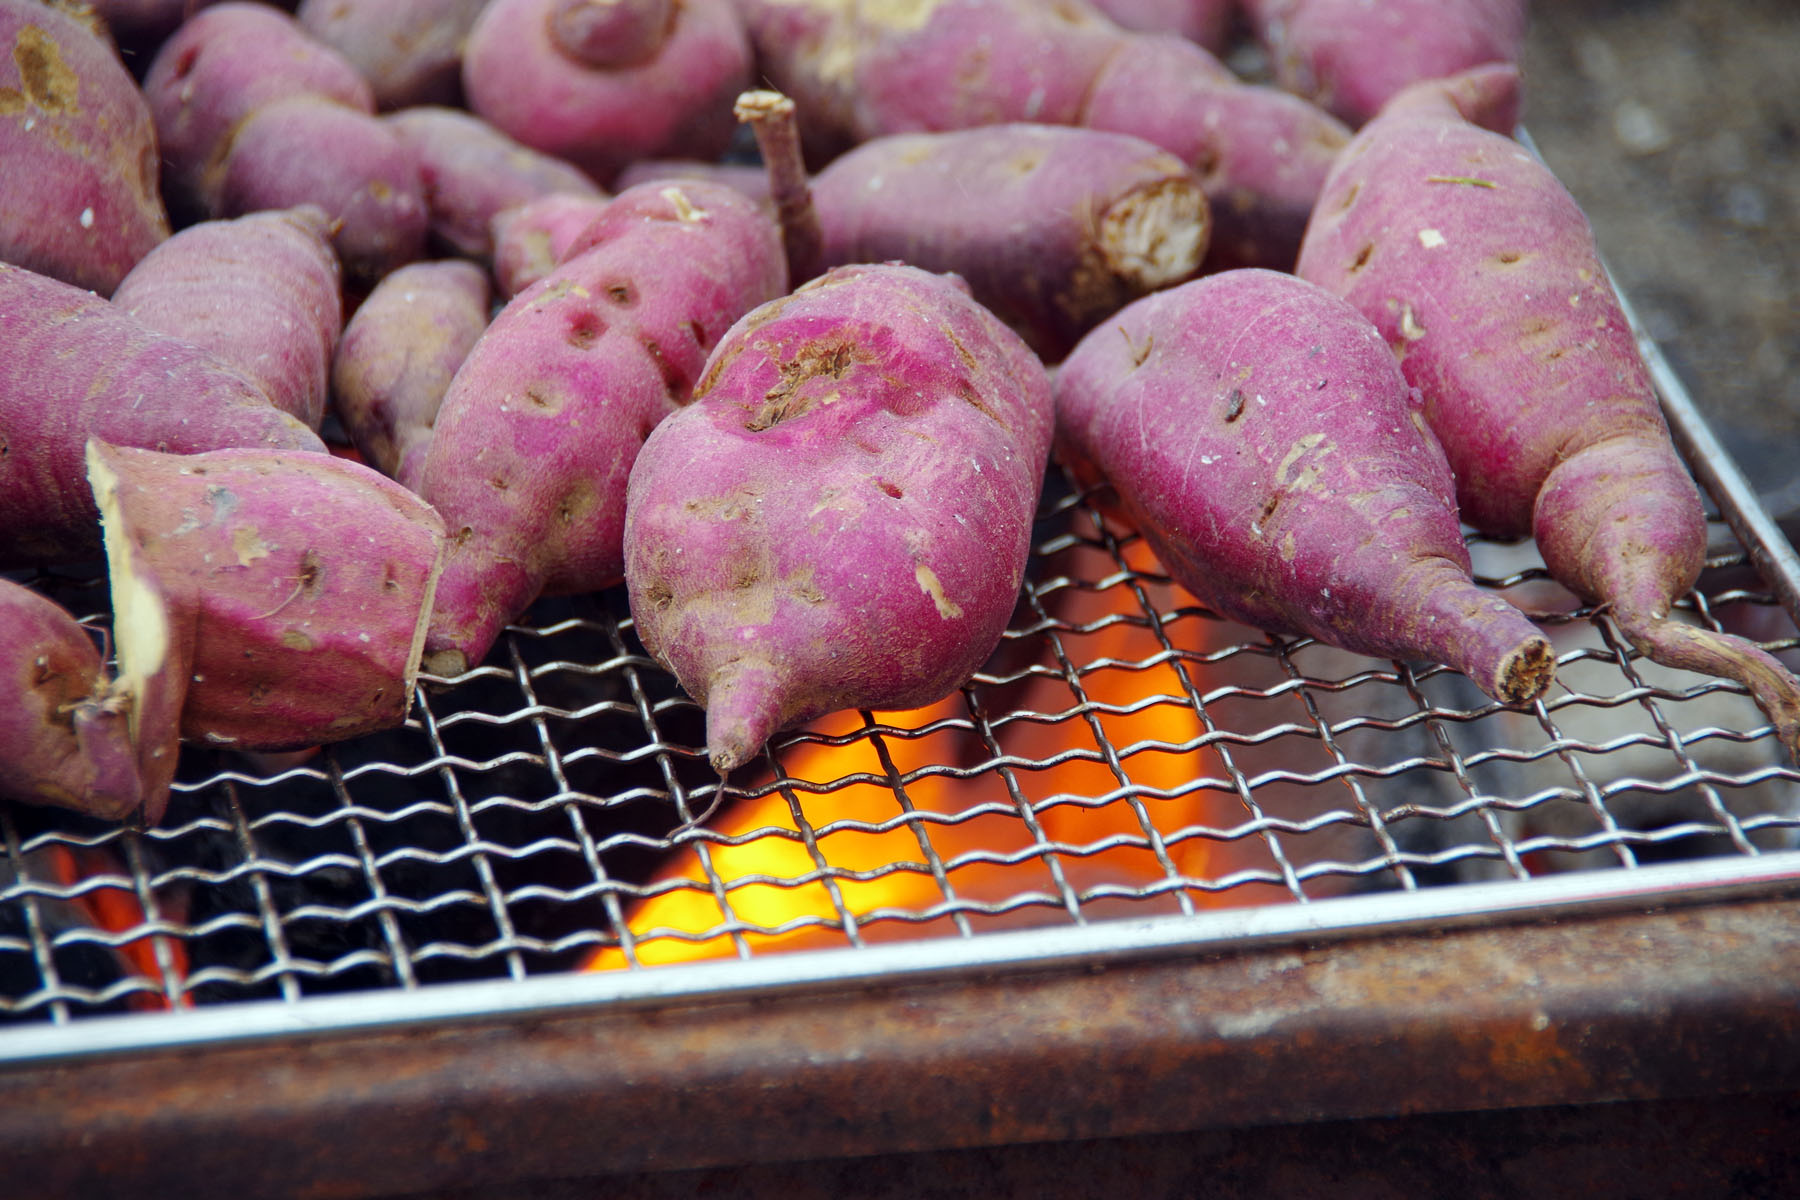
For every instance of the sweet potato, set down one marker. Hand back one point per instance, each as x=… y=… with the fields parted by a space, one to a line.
x=135 y=24
x=674 y=103
x=261 y=292
x=771 y=119
x=1207 y=22
x=748 y=178
x=842 y=516
x=538 y=430
x=859 y=69
x=222 y=65
x=611 y=33
x=531 y=238
x=252 y=113
x=1260 y=435
x=74 y=366
x=471 y=172
x=397 y=357
x=410 y=51
x=1053 y=228
x=80 y=151
x=64 y=733
x=309 y=150
x=1481 y=272
x=288 y=592
x=1351 y=57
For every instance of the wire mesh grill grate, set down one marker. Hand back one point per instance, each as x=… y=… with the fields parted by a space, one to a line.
x=1123 y=753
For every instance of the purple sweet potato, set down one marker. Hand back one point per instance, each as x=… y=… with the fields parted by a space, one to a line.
x=748 y=178
x=139 y=23
x=410 y=51
x=675 y=103
x=1351 y=57
x=397 y=357
x=79 y=148
x=288 y=592
x=310 y=150
x=842 y=517
x=1053 y=228
x=862 y=70
x=222 y=65
x=261 y=292
x=532 y=238
x=65 y=734
x=1207 y=22
x=74 y=366
x=1480 y=271
x=472 y=172
x=611 y=33
x=537 y=433
x=252 y=113
x=1260 y=435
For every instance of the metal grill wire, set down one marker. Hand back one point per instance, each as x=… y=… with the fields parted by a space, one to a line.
x=1124 y=752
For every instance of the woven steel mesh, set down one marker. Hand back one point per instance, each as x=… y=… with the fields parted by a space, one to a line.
x=1124 y=752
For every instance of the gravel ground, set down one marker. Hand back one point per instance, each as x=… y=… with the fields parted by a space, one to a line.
x=1676 y=123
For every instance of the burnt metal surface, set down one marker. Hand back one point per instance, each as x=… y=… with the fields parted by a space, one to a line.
x=1717 y=1148
x=1683 y=1003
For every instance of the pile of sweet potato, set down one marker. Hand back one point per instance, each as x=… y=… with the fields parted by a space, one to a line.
x=322 y=330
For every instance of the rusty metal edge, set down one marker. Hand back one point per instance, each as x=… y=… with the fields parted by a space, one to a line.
x=942 y=959
x=1680 y=1002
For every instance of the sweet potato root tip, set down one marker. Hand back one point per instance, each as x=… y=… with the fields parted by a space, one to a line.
x=118 y=790
x=1620 y=522
x=1526 y=673
x=1676 y=644
x=743 y=700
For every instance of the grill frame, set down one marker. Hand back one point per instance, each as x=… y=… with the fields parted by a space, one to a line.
x=770 y=979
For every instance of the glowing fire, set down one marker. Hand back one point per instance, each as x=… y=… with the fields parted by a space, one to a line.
x=779 y=871
x=115 y=909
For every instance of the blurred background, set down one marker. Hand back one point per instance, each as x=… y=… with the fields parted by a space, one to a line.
x=1676 y=123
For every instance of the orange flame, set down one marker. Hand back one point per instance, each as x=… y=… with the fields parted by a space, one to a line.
x=783 y=855
x=116 y=909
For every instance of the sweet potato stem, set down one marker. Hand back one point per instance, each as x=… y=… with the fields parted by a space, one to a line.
x=1693 y=648
x=771 y=117
x=1620 y=522
x=742 y=710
